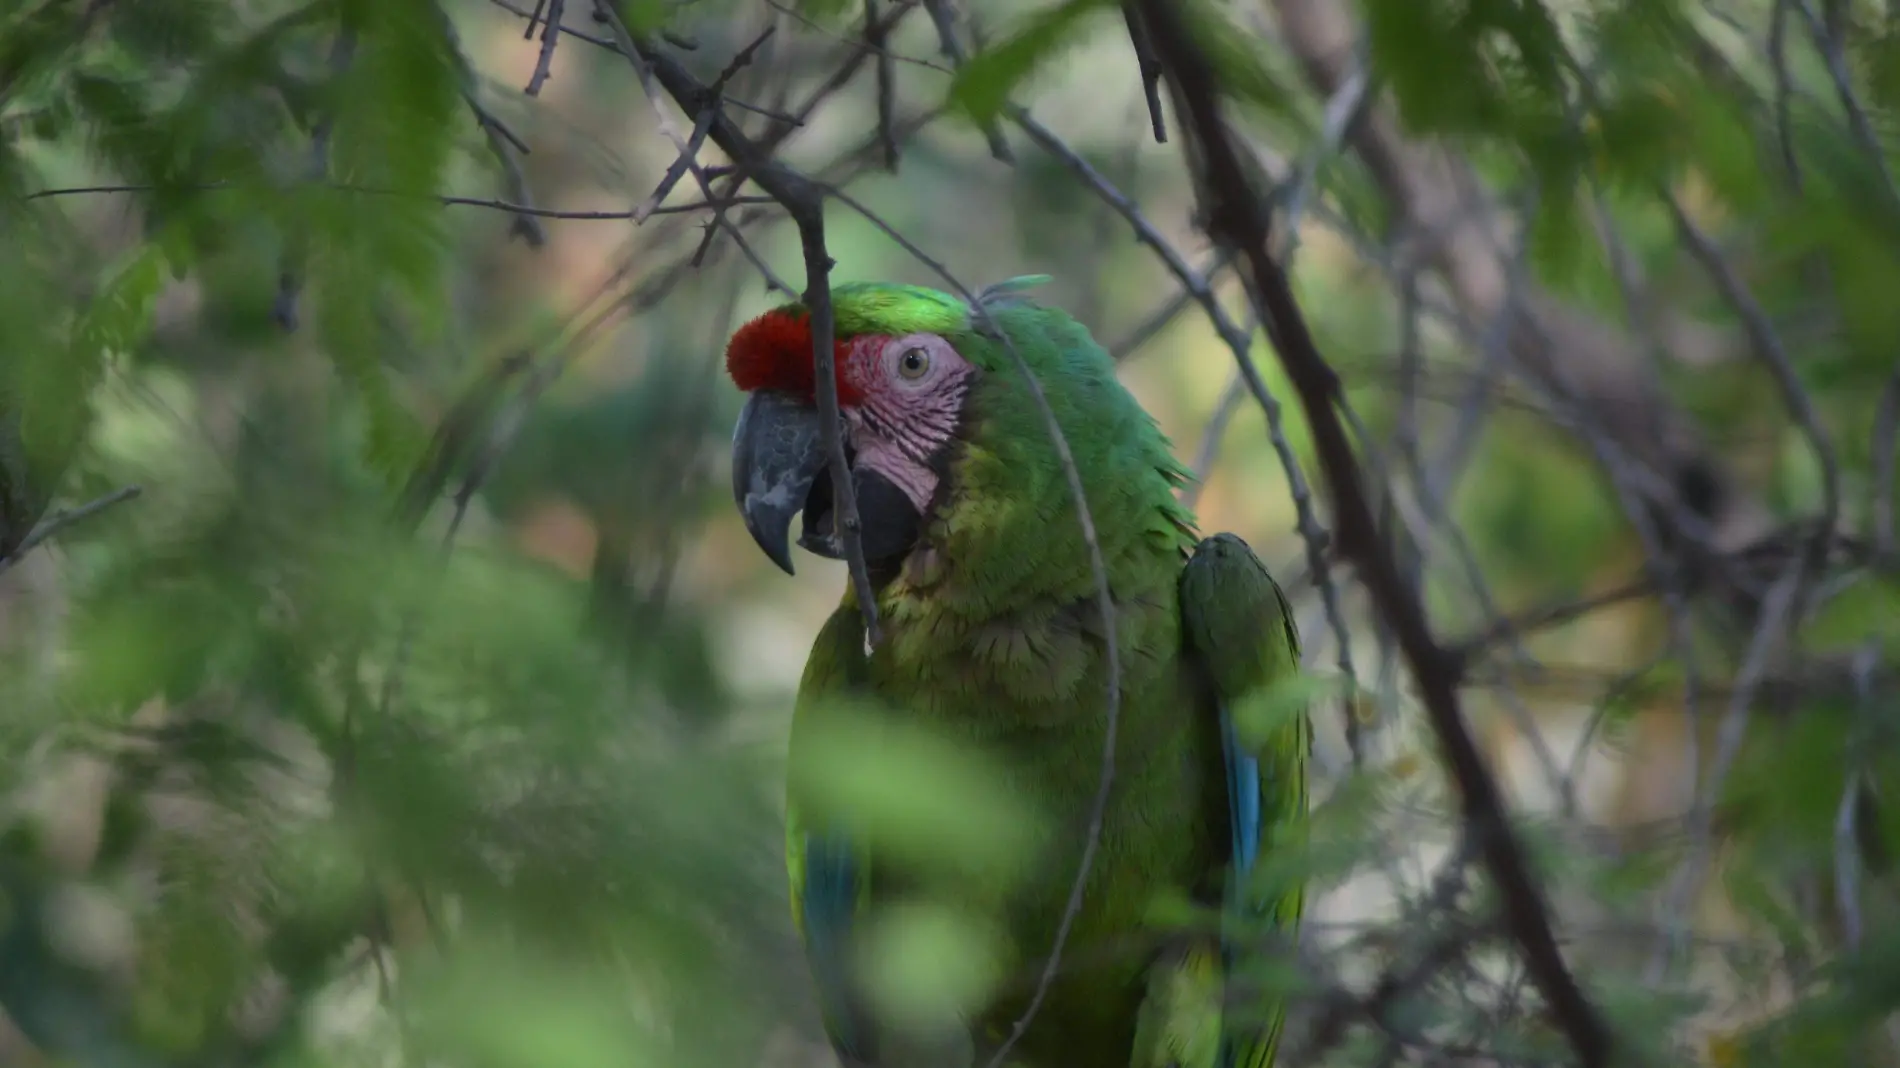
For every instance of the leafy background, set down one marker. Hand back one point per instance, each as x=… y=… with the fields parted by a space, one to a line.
x=388 y=678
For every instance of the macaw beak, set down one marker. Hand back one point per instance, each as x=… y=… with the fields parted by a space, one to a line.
x=779 y=469
x=778 y=452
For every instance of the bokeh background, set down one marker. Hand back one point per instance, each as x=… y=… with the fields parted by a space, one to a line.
x=405 y=687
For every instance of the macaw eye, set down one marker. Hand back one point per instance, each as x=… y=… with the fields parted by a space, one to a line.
x=913 y=363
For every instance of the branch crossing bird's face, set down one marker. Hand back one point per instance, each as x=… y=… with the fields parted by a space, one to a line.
x=901 y=399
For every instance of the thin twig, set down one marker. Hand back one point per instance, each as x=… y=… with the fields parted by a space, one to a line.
x=289 y=278
x=804 y=202
x=791 y=12
x=550 y=36
x=1828 y=43
x=1847 y=864
x=876 y=38
x=1211 y=434
x=1784 y=91
x=709 y=104
x=1762 y=645
x=1236 y=218
x=685 y=160
x=1511 y=628
x=446 y=201
x=768 y=144
x=945 y=22
x=1155 y=321
x=554 y=24
x=54 y=524
x=508 y=148
x=1769 y=350
x=1886 y=444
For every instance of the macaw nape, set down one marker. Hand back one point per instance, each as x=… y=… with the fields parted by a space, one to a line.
x=991 y=635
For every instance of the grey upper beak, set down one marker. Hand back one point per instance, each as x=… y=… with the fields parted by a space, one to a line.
x=777 y=452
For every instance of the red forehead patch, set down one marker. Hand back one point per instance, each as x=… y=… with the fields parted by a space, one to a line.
x=774 y=352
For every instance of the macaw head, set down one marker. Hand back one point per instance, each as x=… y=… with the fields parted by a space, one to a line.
x=902 y=390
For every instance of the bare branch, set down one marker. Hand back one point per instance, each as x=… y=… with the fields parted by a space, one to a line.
x=445 y=201
x=804 y=202
x=1150 y=70
x=1622 y=417
x=54 y=524
x=876 y=38
x=1847 y=866
x=1777 y=609
x=1235 y=218
x=1769 y=350
x=289 y=278
x=1508 y=628
x=1217 y=420
x=1156 y=321
x=945 y=22
x=1885 y=446
x=553 y=24
x=508 y=148
x=686 y=160
x=550 y=12
x=702 y=126
x=1827 y=41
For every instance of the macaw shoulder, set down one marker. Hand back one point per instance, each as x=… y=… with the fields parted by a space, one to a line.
x=1032 y=662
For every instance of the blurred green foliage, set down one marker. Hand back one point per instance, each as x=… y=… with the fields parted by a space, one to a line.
x=417 y=712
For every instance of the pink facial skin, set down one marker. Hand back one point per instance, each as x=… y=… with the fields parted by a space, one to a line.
x=913 y=389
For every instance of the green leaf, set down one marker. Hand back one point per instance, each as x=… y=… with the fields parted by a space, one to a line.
x=921 y=796
x=57 y=386
x=1434 y=66
x=1237 y=59
x=1274 y=712
x=932 y=963
x=985 y=84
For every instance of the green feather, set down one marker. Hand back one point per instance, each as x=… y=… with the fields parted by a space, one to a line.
x=1010 y=290
x=880 y=308
x=991 y=635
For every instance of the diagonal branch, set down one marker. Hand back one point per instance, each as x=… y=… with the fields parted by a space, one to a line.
x=52 y=525
x=548 y=14
x=804 y=202
x=1237 y=219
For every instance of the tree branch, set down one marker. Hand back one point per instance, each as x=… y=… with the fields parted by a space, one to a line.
x=53 y=524
x=1236 y=218
x=1595 y=368
x=804 y=202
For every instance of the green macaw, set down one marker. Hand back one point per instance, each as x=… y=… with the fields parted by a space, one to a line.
x=991 y=634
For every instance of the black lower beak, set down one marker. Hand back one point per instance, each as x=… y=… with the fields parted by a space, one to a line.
x=777 y=453
x=779 y=470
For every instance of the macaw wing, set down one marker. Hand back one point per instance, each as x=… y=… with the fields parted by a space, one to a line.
x=828 y=872
x=1237 y=626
